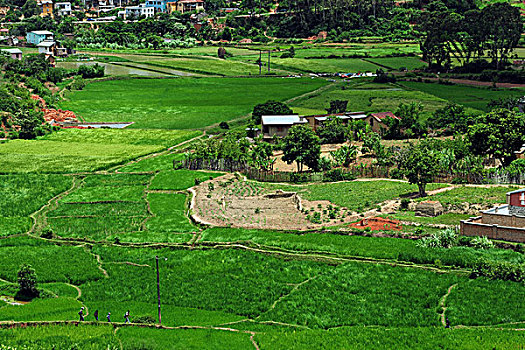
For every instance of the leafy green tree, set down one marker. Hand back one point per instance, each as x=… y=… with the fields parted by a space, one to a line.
x=332 y=131
x=262 y=155
x=30 y=124
x=419 y=164
x=30 y=9
x=452 y=117
x=498 y=133
x=27 y=281
x=269 y=108
x=337 y=106
x=344 y=155
x=302 y=146
x=503 y=26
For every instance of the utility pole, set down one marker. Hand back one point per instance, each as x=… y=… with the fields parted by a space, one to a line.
x=269 y=61
x=260 y=62
x=158 y=285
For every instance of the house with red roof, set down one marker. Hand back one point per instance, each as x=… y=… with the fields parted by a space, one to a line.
x=377 y=120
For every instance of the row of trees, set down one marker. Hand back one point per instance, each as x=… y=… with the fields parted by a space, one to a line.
x=448 y=34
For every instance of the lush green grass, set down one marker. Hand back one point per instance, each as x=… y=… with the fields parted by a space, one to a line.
x=236 y=282
x=183 y=103
x=180 y=179
x=117 y=180
x=473 y=195
x=367 y=99
x=50 y=309
x=468 y=96
x=52 y=263
x=105 y=193
x=486 y=302
x=95 y=228
x=358 y=338
x=396 y=63
x=336 y=65
x=21 y=195
x=358 y=246
x=365 y=294
x=60 y=337
x=445 y=219
x=43 y=156
x=166 y=138
x=183 y=339
x=355 y=195
x=212 y=66
x=163 y=162
x=169 y=212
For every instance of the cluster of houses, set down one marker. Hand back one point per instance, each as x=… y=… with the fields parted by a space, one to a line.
x=44 y=41
x=279 y=125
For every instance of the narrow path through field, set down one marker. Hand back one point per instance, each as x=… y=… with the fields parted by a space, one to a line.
x=99 y=261
x=39 y=217
x=442 y=305
x=284 y=296
x=79 y=291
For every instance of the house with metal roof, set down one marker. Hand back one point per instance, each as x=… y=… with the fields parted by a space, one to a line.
x=279 y=125
x=504 y=222
x=318 y=120
x=47 y=47
x=15 y=54
x=377 y=120
x=37 y=36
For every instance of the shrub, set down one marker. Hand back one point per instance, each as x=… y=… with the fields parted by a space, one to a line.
x=499 y=270
x=481 y=243
x=27 y=282
x=443 y=239
x=404 y=203
x=144 y=319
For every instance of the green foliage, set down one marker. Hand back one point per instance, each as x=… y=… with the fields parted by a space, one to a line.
x=360 y=338
x=179 y=179
x=27 y=281
x=419 y=164
x=337 y=106
x=302 y=146
x=269 y=108
x=500 y=270
x=498 y=133
x=444 y=239
x=332 y=131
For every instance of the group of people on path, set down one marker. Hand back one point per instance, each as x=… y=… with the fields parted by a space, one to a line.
x=108 y=316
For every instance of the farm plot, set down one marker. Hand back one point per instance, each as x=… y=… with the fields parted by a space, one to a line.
x=118 y=207
x=181 y=103
x=469 y=96
x=211 y=66
x=21 y=195
x=227 y=281
x=180 y=179
x=163 y=162
x=359 y=338
x=371 y=247
x=42 y=156
x=367 y=99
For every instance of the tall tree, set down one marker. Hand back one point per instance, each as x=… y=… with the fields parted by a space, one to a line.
x=498 y=133
x=302 y=146
x=419 y=163
x=503 y=26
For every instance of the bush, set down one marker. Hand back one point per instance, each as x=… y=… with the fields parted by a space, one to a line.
x=94 y=71
x=481 y=243
x=27 y=282
x=404 y=203
x=443 y=239
x=499 y=270
x=338 y=174
x=224 y=125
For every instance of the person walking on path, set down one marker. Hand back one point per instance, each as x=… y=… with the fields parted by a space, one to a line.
x=126 y=317
x=96 y=315
x=81 y=314
x=109 y=316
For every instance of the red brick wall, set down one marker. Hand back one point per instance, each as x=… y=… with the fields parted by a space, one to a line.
x=469 y=228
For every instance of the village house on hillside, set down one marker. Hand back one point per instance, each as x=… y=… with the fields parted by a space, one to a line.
x=15 y=54
x=506 y=222
x=46 y=8
x=279 y=125
x=63 y=8
x=37 y=36
x=377 y=120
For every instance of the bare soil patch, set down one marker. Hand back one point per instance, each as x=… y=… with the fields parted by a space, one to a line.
x=230 y=201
